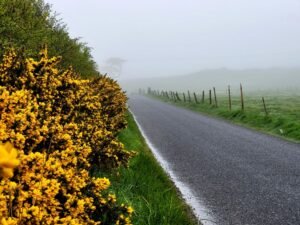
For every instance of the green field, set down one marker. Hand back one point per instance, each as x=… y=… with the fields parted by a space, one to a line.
x=145 y=185
x=282 y=117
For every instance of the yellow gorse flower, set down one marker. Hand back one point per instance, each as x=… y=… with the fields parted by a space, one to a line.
x=9 y=221
x=8 y=159
x=57 y=128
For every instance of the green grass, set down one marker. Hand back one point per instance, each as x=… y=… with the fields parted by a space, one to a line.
x=283 y=117
x=146 y=187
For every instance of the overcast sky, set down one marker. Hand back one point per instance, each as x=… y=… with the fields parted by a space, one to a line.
x=171 y=37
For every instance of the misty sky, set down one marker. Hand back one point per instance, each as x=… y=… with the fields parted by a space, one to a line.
x=174 y=37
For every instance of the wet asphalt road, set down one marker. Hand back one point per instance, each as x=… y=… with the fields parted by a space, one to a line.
x=242 y=176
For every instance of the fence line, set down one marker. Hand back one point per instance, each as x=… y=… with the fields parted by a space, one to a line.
x=185 y=97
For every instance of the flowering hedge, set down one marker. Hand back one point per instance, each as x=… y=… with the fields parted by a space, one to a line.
x=55 y=128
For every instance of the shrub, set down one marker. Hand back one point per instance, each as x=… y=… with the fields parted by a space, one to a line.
x=61 y=127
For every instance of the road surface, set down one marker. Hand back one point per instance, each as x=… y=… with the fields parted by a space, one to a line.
x=242 y=176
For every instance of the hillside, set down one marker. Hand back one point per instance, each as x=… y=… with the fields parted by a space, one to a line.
x=252 y=79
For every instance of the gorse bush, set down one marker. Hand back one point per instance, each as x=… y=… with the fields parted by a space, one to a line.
x=55 y=128
x=28 y=23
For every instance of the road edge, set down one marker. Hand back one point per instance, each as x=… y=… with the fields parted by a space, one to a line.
x=199 y=210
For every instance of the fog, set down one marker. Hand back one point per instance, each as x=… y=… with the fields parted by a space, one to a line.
x=274 y=81
x=163 y=38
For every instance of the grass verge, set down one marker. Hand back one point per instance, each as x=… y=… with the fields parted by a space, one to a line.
x=283 y=117
x=146 y=187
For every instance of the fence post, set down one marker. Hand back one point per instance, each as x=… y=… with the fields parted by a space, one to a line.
x=210 y=101
x=265 y=108
x=229 y=97
x=215 y=95
x=195 y=96
x=184 y=97
x=242 y=97
x=174 y=97
x=203 y=95
x=177 y=96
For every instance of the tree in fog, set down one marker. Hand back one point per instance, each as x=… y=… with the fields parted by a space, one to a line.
x=113 y=66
